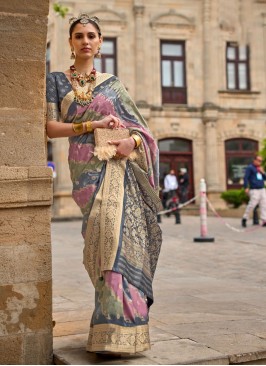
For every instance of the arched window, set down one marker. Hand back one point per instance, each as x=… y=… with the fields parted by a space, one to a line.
x=239 y=153
x=175 y=145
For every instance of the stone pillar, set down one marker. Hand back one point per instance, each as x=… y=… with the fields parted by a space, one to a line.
x=25 y=187
x=208 y=71
x=210 y=118
x=139 y=53
x=210 y=114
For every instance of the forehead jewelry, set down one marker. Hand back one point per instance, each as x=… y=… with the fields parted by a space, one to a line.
x=85 y=18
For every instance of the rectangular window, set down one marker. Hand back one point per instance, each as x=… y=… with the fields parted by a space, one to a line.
x=173 y=72
x=237 y=67
x=107 y=63
x=239 y=153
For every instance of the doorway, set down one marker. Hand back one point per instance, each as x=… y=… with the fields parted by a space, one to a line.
x=176 y=154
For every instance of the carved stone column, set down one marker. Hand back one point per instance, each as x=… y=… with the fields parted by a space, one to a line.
x=210 y=51
x=139 y=52
x=210 y=113
x=210 y=118
x=25 y=188
x=207 y=60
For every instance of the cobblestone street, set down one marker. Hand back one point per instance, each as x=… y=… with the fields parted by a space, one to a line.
x=209 y=297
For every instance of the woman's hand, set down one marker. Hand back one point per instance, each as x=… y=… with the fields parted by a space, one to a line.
x=123 y=147
x=109 y=122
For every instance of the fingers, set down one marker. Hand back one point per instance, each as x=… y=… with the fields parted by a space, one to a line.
x=123 y=147
x=114 y=142
x=115 y=122
x=118 y=156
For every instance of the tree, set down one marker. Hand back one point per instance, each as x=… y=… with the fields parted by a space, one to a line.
x=60 y=9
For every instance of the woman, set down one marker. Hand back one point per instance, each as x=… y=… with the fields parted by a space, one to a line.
x=118 y=198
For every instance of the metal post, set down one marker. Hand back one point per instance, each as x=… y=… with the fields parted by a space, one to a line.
x=256 y=220
x=177 y=216
x=159 y=220
x=203 y=216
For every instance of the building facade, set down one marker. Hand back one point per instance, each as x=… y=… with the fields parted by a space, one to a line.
x=197 y=71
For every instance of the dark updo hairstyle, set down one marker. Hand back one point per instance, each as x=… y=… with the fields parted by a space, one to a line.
x=93 y=20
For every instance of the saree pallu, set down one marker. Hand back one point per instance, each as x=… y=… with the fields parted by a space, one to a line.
x=119 y=201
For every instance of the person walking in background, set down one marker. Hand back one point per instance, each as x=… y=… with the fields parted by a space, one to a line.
x=118 y=198
x=170 y=184
x=254 y=186
x=183 y=185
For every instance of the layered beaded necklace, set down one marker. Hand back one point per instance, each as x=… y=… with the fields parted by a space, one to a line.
x=82 y=91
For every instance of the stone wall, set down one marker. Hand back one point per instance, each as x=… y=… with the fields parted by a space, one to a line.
x=25 y=187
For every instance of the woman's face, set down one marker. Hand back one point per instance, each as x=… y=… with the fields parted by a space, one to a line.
x=85 y=40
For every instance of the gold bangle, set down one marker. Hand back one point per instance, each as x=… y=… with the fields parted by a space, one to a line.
x=137 y=140
x=88 y=126
x=77 y=127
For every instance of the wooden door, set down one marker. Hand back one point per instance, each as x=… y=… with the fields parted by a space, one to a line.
x=168 y=162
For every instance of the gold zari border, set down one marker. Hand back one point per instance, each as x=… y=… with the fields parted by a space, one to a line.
x=115 y=338
x=103 y=229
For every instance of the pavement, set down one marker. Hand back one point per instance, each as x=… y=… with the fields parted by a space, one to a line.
x=209 y=297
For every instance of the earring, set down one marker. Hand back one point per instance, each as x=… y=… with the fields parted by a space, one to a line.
x=72 y=54
x=98 y=54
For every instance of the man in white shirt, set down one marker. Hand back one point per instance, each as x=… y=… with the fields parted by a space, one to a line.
x=170 y=184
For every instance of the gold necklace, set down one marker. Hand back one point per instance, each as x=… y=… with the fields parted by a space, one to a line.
x=78 y=81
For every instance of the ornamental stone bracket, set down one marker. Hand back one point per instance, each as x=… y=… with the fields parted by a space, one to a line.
x=226 y=26
x=210 y=115
x=25 y=186
x=175 y=126
x=138 y=10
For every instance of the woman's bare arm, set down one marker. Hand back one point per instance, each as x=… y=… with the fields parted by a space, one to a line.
x=58 y=129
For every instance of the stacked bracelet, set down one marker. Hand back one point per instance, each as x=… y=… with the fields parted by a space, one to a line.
x=88 y=126
x=137 y=140
x=77 y=127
